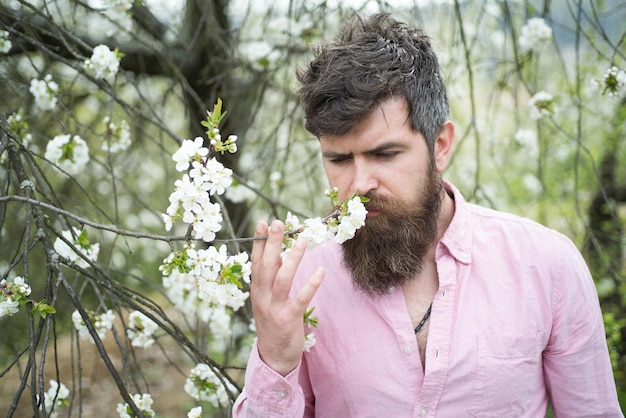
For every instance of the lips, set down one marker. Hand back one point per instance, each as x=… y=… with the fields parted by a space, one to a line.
x=373 y=208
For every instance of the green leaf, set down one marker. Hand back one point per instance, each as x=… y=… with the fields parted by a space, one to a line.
x=309 y=320
x=83 y=239
x=43 y=309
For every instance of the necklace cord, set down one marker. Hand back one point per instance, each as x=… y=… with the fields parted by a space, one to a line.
x=424 y=319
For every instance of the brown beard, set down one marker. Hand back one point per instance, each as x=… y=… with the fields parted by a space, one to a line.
x=390 y=248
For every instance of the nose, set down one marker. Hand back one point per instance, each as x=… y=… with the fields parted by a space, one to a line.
x=365 y=178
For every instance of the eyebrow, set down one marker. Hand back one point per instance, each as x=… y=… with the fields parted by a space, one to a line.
x=375 y=150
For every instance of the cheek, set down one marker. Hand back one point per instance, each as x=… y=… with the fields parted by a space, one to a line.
x=337 y=178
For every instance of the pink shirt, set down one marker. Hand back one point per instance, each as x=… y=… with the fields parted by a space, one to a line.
x=516 y=321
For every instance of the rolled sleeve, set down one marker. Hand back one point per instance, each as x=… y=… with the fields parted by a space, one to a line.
x=267 y=393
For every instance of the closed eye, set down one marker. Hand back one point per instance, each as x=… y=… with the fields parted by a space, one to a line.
x=339 y=159
x=386 y=155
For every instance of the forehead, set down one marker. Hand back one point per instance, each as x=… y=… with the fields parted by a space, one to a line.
x=388 y=122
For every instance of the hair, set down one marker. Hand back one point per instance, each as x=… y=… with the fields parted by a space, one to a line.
x=372 y=60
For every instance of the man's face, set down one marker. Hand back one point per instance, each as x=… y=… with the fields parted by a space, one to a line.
x=385 y=160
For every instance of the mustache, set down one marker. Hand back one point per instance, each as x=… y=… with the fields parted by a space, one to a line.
x=376 y=203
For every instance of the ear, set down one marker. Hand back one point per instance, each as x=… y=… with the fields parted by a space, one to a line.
x=443 y=146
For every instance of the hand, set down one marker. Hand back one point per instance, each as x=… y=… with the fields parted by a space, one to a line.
x=278 y=318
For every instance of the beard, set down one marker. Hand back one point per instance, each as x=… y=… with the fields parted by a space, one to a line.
x=390 y=248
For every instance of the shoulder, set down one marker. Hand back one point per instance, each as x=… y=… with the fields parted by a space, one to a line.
x=479 y=228
x=512 y=226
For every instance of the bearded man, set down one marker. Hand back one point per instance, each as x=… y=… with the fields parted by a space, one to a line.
x=436 y=307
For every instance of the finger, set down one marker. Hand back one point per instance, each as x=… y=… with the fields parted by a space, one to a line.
x=273 y=246
x=284 y=277
x=304 y=296
x=258 y=249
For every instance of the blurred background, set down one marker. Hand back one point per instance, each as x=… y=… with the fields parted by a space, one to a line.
x=537 y=92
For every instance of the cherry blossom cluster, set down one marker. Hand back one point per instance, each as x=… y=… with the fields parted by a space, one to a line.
x=13 y=294
x=534 y=34
x=44 y=92
x=56 y=397
x=104 y=63
x=612 y=82
x=541 y=105
x=117 y=137
x=144 y=403
x=204 y=385
x=191 y=200
x=20 y=128
x=101 y=323
x=80 y=240
x=141 y=330
x=342 y=223
x=69 y=153
x=197 y=281
x=5 y=42
x=182 y=290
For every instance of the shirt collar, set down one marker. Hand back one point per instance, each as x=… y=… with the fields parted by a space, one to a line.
x=458 y=236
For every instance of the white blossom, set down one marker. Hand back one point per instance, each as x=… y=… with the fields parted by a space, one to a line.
x=542 y=105
x=102 y=323
x=71 y=154
x=144 y=403
x=19 y=128
x=351 y=221
x=21 y=287
x=612 y=82
x=534 y=34
x=90 y=251
x=207 y=222
x=212 y=280
x=103 y=62
x=8 y=307
x=44 y=91
x=118 y=137
x=213 y=176
x=182 y=290
x=315 y=232
x=56 y=397
x=5 y=42
x=204 y=385
x=195 y=412
x=309 y=341
x=141 y=329
x=189 y=151
x=226 y=294
x=219 y=320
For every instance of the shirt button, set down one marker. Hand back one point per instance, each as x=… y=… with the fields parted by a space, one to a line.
x=408 y=349
x=281 y=394
x=390 y=289
x=423 y=410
